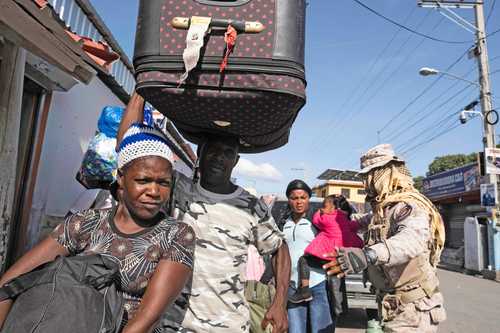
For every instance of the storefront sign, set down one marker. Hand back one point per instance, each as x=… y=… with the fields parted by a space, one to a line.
x=459 y=180
x=489 y=196
x=492 y=161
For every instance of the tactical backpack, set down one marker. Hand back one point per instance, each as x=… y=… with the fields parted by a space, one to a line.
x=70 y=294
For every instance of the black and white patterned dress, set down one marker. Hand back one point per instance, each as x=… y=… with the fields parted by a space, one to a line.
x=94 y=231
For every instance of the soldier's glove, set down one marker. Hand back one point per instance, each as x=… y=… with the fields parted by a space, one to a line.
x=351 y=260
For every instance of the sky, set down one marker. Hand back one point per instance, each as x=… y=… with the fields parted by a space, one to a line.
x=364 y=88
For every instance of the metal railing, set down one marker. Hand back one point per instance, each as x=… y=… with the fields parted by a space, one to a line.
x=78 y=22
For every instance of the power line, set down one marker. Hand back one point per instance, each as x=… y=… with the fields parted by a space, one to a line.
x=360 y=109
x=394 y=72
x=354 y=110
x=492 y=8
x=434 y=125
x=443 y=132
x=335 y=118
x=426 y=115
x=422 y=93
x=404 y=130
x=407 y=28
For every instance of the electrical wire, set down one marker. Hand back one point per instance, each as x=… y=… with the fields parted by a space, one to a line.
x=335 y=118
x=358 y=110
x=394 y=72
x=404 y=130
x=407 y=28
x=420 y=144
x=434 y=125
x=492 y=8
x=422 y=93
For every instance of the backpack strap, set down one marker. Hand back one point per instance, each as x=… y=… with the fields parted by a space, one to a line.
x=26 y=281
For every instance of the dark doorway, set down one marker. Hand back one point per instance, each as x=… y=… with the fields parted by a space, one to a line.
x=32 y=101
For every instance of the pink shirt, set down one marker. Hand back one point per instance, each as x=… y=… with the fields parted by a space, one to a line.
x=335 y=230
x=255 y=264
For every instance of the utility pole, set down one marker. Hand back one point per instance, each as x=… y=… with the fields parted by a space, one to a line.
x=489 y=131
x=481 y=53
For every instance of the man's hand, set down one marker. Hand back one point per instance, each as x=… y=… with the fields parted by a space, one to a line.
x=346 y=260
x=276 y=316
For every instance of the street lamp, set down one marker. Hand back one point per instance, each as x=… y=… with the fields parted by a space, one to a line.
x=489 y=116
x=426 y=71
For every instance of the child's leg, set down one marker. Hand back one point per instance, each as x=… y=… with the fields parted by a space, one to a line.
x=303 y=293
x=304 y=272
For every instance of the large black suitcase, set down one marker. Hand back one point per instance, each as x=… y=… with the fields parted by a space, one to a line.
x=258 y=94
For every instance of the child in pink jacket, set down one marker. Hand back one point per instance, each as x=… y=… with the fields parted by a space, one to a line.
x=335 y=230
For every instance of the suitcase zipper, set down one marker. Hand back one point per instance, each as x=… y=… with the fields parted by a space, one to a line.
x=285 y=68
x=151 y=84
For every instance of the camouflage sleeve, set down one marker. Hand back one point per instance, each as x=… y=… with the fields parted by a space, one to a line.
x=409 y=235
x=265 y=235
x=363 y=220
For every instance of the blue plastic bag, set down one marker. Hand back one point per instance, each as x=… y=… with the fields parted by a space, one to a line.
x=148 y=116
x=109 y=121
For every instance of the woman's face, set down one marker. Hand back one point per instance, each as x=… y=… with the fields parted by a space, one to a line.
x=145 y=185
x=299 y=201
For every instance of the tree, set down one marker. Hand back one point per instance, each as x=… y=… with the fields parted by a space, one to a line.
x=418 y=183
x=447 y=162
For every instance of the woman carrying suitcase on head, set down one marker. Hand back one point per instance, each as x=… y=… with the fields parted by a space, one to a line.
x=150 y=247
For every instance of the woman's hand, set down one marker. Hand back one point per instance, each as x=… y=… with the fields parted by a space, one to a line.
x=159 y=295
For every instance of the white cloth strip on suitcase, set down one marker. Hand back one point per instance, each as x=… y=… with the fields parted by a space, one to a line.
x=194 y=42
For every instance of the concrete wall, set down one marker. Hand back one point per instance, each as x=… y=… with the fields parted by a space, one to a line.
x=71 y=124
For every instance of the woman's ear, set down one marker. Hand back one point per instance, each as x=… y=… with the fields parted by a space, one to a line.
x=119 y=178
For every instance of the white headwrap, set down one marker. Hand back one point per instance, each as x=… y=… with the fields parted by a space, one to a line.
x=141 y=141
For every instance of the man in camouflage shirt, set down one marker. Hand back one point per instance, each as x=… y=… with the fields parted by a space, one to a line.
x=226 y=220
x=405 y=236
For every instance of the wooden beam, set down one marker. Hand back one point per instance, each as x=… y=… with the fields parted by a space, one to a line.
x=17 y=25
x=11 y=91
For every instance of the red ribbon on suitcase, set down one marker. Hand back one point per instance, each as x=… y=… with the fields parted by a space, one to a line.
x=230 y=39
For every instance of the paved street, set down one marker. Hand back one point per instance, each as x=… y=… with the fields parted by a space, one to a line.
x=473 y=305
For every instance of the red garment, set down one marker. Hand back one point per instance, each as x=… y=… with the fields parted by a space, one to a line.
x=335 y=230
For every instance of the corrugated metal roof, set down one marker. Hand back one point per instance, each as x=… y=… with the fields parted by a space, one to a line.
x=80 y=17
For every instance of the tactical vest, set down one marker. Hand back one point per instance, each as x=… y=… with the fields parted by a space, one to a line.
x=412 y=280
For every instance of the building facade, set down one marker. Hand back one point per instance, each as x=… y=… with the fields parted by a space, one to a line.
x=342 y=182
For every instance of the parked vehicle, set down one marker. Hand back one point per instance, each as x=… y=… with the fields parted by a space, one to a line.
x=359 y=294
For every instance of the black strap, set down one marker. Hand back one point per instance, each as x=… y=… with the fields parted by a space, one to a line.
x=26 y=281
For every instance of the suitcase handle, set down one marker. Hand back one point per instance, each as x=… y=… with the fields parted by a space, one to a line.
x=250 y=27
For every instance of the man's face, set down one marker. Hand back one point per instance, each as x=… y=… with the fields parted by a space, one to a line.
x=218 y=160
x=298 y=201
x=145 y=186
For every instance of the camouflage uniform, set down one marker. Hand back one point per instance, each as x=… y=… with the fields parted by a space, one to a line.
x=407 y=285
x=402 y=245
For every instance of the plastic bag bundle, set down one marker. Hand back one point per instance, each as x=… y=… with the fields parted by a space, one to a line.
x=98 y=168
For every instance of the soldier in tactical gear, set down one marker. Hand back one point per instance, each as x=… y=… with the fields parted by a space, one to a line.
x=403 y=242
